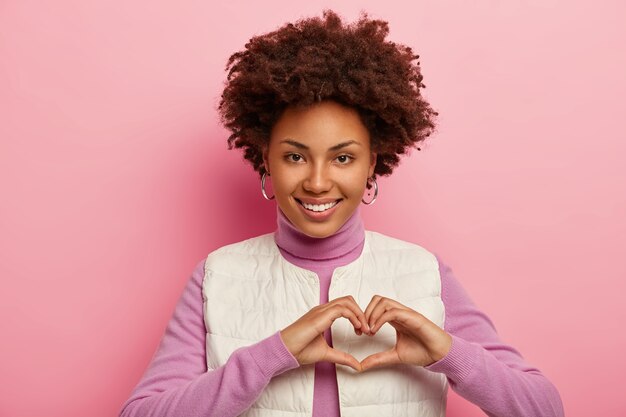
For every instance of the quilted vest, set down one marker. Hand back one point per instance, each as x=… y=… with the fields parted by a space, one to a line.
x=250 y=291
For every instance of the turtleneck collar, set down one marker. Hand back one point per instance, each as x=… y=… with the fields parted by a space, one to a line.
x=290 y=239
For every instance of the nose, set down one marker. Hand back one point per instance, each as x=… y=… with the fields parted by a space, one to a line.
x=318 y=179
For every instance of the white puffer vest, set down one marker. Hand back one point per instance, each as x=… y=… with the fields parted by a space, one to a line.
x=251 y=291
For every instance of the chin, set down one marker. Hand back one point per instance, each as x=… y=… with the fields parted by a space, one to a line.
x=324 y=230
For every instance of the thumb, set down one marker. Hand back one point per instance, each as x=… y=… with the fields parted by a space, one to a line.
x=342 y=358
x=388 y=357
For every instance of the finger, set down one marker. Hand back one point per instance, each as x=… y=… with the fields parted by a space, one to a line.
x=384 y=305
x=373 y=303
x=377 y=311
x=342 y=358
x=398 y=315
x=388 y=357
x=349 y=302
x=337 y=310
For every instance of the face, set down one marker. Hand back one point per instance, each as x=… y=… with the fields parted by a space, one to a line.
x=319 y=155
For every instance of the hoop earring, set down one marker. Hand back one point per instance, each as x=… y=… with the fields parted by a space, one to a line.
x=263 y=188
x=375 y=192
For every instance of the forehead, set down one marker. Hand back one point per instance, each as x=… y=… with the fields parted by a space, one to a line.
x=322 y=124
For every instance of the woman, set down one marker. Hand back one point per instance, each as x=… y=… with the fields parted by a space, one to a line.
x=292 y=322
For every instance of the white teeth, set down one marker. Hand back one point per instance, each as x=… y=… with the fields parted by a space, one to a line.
x=321 y=207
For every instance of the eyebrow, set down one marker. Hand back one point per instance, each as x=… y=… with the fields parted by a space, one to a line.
x=332 y=148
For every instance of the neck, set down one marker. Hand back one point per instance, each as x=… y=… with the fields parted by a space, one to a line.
x=290 y=239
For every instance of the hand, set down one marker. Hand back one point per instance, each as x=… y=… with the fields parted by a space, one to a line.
x=419 y=341
x=305 y=337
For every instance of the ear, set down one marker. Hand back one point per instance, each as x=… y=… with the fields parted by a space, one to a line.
x=373 y=156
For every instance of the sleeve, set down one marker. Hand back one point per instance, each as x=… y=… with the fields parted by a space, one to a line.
x=484 y=370
x=176 y=382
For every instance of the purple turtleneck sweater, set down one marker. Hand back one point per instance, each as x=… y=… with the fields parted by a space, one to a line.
x=479 y=366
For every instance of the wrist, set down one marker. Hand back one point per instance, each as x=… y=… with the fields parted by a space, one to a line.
x=444 y=350
x=287 y=339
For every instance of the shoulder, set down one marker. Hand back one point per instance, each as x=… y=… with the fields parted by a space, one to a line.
x=391 y=242
x=261 y=246
x=381 y=244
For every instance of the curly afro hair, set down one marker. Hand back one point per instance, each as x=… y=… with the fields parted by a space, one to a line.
x=316 y=59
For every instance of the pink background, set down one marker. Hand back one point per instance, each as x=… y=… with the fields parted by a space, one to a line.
x=115 y=181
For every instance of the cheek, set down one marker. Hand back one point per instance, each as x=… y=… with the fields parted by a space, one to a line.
x=283 y=182
x=353 y=184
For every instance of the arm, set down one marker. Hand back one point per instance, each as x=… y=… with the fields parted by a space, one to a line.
x=177 y=384
x=483 y=369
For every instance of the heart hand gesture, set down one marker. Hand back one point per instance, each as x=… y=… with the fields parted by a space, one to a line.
x=419 y=341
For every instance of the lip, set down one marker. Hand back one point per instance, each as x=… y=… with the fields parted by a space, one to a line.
x=319 y=216
x=318 y=201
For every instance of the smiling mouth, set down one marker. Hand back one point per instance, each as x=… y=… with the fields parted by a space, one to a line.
x=319 y=208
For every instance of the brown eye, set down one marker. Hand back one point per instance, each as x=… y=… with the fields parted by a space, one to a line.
x=346 y=161
x=293 y=155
